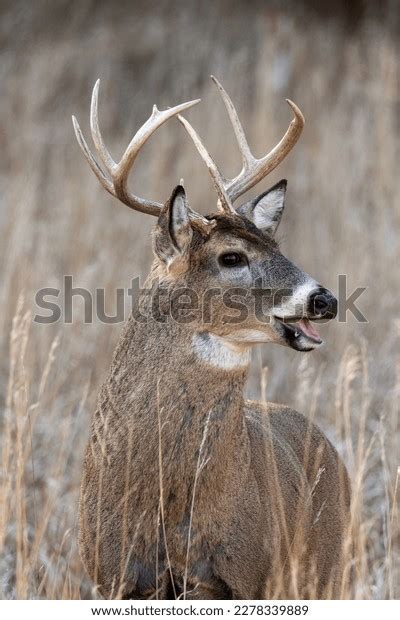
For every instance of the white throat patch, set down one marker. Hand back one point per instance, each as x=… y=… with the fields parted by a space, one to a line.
x=219 y=352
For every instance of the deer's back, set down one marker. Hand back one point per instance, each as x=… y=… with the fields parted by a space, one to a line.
x=296 y=465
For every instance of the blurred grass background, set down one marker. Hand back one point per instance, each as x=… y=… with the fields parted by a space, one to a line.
x=340 y=63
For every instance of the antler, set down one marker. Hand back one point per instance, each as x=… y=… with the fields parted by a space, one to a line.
x=253 y=170
x=117 y=183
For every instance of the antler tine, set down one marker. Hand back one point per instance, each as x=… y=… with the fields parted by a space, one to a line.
x=236 y=124
x=91 y=160
x=224 y=202
x=256 y=169
x=116 y=185
x=95 y=130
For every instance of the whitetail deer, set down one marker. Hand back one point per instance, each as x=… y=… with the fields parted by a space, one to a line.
x=188 y=490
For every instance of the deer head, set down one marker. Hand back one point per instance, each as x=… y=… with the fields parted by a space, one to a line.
x=231 y=251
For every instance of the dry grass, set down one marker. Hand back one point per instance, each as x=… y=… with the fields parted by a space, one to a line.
x=342 y=217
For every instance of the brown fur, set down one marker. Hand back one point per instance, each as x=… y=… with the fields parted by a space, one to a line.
x=271 y=494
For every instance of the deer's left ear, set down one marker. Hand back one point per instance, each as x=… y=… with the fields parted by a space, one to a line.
x=173 y=233
x=265 y=211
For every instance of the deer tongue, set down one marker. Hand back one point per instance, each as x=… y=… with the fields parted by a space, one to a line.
x=308 y=329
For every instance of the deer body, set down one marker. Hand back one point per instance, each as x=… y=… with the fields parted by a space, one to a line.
x=188 y=490
x=239 y=513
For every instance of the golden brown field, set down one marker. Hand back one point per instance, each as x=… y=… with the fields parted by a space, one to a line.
x=342 y=217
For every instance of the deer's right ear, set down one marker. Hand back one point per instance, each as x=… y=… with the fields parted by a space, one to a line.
x=173 y=232
x=265 y=211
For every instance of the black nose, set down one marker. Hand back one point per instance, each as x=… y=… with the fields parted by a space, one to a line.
x=322 y=304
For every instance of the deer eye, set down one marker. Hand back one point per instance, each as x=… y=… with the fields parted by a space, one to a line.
x=232 y=259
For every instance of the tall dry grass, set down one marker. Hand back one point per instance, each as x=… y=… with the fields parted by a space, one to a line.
x=342 y=216
x=38 y=492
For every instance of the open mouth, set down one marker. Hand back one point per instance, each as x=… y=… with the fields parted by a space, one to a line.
x=299 y=333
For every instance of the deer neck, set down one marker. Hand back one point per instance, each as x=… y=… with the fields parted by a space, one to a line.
x=184 y=369
x=187 y=385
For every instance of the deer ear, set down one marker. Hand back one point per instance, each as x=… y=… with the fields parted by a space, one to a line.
x=265 y=211
x=173 y=233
